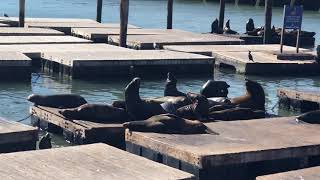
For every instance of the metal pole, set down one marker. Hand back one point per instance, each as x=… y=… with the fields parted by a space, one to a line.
x=298 y=41
x=22 y=5
x=221 y=15
x=124 y=13
x=268 y=19
x=99 y=10
x=169 y=15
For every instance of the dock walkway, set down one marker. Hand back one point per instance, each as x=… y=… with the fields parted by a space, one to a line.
x=160 y=40
x=299 y=100
x=15 y=31
x=303 y=174
x=125 y=63
x=242 y=150
x=77 y=131
x=87 y=162
x=16 y=137
x=6 y=40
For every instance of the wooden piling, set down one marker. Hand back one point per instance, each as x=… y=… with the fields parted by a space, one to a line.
x=221 y=15
x=21 y=12
x=170 y=12
x=268 y=19
x=99 y=10
x=124 y=13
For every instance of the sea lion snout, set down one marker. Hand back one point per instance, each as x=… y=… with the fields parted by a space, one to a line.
x=32 y=98
x=136 y=80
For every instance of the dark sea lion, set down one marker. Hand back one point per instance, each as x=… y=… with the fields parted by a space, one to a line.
x=199 y=109
x=254 y=97
x=250 y=25
x=215 y=27
x=227 y=29
x=136 y=107
x=98 y=113
x=312 y=117
x=171 y=86
x=169 y=124
x=236 y=114
x=119 y=104
x=57 y=101
x=215 y=89
x=45 y=142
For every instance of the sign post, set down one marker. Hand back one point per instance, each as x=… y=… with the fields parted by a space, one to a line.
x=292 y=19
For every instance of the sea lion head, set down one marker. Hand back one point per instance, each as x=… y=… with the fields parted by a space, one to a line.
x=312 y=117
x=215 y=89
x=34 y=98
x=134 y=84
x=256 y=92
x=171 y=78
x=228 y=24
x=45 y=142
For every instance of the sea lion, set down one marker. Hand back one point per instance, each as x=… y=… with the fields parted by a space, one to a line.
x=312 y=117
x=199 y=108
x=215 y=89
x=254 y=97
x=57 y=101
x=215 y=27
x=236 y=114
x=171 y=87
x=169 y=124
x=119 y=104
x=250 y=25
x=45 y=142
x=98 y=113
x=227 y=29
x=136 y=107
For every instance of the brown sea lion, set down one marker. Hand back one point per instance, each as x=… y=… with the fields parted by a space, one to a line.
x=312 y=117
x=254 y=97
x=227 y=29
x=199 y=108
x=215 y=89
x=45 y=142
x=171 y=87
x=136 y=107
x=236 y=114
x=61 y=101
x=169 y=124
x=96 y=113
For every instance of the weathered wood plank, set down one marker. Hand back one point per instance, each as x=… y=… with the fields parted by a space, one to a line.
x=101 y=162
x=246 y=144
x=14 y=31
x=16 y=137
x=4 y=25
x=160 y=40
x=303 y=174
x=78 y=131
x=6 y=40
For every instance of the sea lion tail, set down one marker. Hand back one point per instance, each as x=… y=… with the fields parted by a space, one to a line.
x=210 y=131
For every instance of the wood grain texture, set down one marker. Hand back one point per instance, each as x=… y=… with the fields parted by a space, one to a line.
x=303 y=174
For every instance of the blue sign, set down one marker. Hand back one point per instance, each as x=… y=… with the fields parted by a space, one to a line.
x=293 y=17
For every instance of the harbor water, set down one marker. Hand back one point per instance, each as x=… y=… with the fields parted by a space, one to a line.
x=189 y=15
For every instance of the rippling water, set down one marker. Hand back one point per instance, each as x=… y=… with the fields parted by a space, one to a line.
x=188 y=14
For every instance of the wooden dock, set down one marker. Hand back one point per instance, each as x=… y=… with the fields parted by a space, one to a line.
x=15 y=65
x=34 y=51
x=106 y=64
x=14 y=21
x=242 y=150
x=66 y=27
x=7 y=40
x=303 y=174
x=15 y=31
x=160 y=40
x=303 y=100
x=209 y=50
x=4 y=25
x=86 y=162
x=102 y=34
x=77 y=131
x=16 y=137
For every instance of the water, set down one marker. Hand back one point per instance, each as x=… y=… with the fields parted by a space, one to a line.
x=189 y=15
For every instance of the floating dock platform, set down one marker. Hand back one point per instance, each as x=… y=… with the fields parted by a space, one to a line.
x=15 y=66
x=160 y=40
x=85 y=65
x=96 y=161
x=302 y=174
x=7 y=40
x=209 y=50
x=102 y=34
x=4 y=25
x=15 y=31
x=14 y=21
x=16 y=137
x=296 y=100
x=242 y=150
x=77 y=131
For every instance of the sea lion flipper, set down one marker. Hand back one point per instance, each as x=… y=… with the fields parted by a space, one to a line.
x=210 y=131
